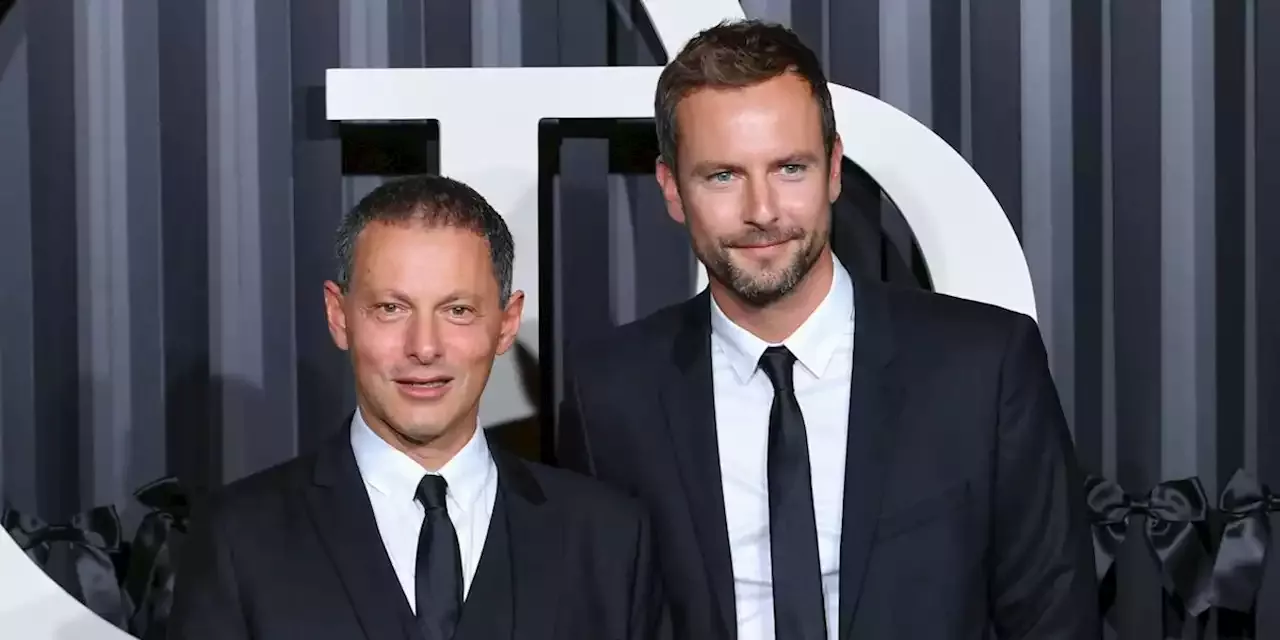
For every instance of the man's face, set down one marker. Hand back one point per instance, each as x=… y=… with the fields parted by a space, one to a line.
x=422 y=322
x=754 y=184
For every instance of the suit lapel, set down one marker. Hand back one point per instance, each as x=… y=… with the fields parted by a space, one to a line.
x=689 y=401
x=536 y=541
x=340 y=510
x=874 y=402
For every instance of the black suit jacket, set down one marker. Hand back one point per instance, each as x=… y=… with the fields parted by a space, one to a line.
x=963 y=505
x=295 y=552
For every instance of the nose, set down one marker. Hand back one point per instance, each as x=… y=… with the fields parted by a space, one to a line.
x=422 y=342
x=761 y=209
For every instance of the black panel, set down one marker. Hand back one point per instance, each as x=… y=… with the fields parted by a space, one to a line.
x=1267 y=236
x=55 y=310
x=947 y=67
x=448 y=33
x=408 y=29
x=325 y=388
x=854 y=32
x=194 y=438
x=807 y=22
x=146 y=281
x=279 y=399
x=1086 y=146
x=1229 y=219
x=996 y=60
x=1136 y=180
x=391 y=149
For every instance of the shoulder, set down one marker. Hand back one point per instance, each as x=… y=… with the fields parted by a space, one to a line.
x=939 y=320
x=635 y=341
x=584 y=499
x=257 y=495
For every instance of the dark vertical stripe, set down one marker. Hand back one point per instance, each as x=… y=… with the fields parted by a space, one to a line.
x=276 y=219
x=1267 y=235
x=661 y=277
x=807 y=21
x=447 y=26
x=539 y=44
x=854 y=32
x=539 y=33
x=1229 y=218
x=51 y=51
x=1136 y=199
x=146 y=329
x=325 y=389
x=1086 y=103
x=584 y=191
x=945 y=64
x=1136 y=152
x=578 y=223
x=192 y=436
x=407 y=29
x=996 y=57
x=17 y=357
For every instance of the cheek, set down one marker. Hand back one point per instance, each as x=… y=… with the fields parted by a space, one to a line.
x=377 y=344
x=470 y=346
x=715 y=214
x=805 y=203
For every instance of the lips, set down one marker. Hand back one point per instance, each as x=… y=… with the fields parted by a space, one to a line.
x=761 y=245
x=426 y=387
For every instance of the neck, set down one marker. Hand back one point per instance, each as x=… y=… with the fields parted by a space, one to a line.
x=777 y=320
x=432 y=454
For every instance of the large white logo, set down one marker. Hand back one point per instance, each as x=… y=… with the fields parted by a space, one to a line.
x=488 y=138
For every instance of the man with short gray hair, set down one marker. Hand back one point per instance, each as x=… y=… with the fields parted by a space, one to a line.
x=409 y=523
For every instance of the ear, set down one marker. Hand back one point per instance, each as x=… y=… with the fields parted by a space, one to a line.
x=335 y=313
x=833 y=178
x=670 y=191
x=511 y=322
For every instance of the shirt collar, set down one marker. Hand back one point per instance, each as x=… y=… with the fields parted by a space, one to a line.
x=394 y=474
x=814 y=343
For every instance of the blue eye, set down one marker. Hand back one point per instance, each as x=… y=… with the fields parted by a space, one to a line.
x=792 y=169
x=721 y=176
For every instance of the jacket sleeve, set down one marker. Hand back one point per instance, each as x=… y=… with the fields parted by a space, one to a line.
x=206 y=604
x=1043 y=583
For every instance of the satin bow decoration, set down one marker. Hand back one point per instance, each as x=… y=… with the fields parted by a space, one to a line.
x=1245 y=506
x=149 y=580
x=1173 y=510
x=77 y=555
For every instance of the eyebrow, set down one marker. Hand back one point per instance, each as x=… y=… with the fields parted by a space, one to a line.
x=800 y=158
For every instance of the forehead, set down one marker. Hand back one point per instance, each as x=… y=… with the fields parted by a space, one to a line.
x=780 y=111
x=412 y=256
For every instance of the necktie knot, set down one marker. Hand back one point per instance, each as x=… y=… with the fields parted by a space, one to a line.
x=779 y=363
x=431 y=491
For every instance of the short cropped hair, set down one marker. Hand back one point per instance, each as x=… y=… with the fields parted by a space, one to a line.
x=433 y=201
x=735 y=54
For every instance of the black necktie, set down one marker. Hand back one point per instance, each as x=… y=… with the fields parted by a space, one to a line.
x=793 y=535
x=438 y=575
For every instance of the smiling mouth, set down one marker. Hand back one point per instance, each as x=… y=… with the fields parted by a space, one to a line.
x=425 y=383
x=760 y=245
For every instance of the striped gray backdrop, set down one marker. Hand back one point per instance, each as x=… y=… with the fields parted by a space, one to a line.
x=169 y=189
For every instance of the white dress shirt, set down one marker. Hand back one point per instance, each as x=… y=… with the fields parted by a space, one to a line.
x=392 y=478
x=823 y=347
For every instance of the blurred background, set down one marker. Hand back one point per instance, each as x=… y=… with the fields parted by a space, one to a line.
x=170 y=187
